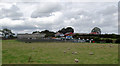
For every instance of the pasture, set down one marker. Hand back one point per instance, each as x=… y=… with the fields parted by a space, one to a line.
x=15 y=52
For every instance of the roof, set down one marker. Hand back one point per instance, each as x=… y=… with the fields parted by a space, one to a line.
x=30 y=34
x=94 y=33
x=81 y=33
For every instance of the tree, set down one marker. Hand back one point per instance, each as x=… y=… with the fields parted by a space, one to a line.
x=63 y=30
x=35 y=32
x=76 y=36
x=45 y=31
x=7 y=33
x=113 y=35
x=97 y=30
x=48 y=33
x=69 y=29
x=118 y=40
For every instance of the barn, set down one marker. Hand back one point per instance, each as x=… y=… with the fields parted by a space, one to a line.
x=31 y=36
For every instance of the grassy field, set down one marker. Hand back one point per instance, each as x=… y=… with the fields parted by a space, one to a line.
x=15 y=52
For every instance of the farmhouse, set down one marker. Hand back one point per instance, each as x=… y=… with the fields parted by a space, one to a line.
x=31 y=36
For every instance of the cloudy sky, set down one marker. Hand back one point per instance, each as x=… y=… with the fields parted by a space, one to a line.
x=23 y=17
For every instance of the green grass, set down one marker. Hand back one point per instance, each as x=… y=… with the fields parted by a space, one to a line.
x=15 y=52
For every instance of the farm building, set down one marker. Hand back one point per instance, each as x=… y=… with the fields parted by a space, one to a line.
x=30 y=36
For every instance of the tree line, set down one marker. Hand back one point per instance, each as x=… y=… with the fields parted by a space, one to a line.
x=8 y=34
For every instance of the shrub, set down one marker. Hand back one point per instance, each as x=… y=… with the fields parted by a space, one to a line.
x=97 y=39
x=118 y=40
x=108 y=41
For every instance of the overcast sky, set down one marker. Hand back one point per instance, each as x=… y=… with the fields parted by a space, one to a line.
x=82 y=16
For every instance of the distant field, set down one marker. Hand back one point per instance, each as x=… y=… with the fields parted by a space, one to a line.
x=15 y=52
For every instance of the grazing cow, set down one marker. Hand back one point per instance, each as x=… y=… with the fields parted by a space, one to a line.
x=91 y=53
x=76 y=60
x=64 y=51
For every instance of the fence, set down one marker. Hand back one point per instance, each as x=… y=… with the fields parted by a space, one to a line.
x=50 y=40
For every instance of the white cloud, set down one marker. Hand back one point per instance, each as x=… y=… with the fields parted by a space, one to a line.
x=10 y=23
x=54 y=16
x=45 y=10
x=59 y=0
x=12 y=12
